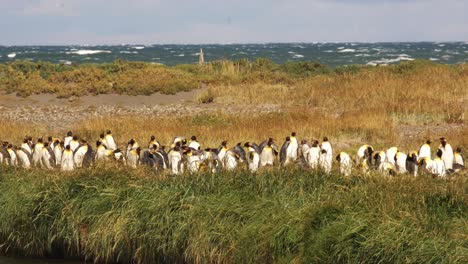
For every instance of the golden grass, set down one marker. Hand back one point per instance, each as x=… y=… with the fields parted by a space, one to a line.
x=380 y=106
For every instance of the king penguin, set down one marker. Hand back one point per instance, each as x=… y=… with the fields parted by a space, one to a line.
x=345 y=163
x=110 y=142
x=425 y=150
x=67 y=159
x=447 y=154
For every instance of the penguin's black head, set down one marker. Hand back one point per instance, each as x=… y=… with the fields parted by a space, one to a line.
x=207 y=149
x=325 y=139
x=49 y=138
x=131 y=142
x=304 y=141
x=247 y=144
x=194 y=138
x=271 y=139
x=338 y=157
x=439 y=153
x=184 y=141
x=428 y=141
x=138 y=150
x=443 y=141
x=177 y=148
x=459 y=150
x=40 y=140
x=323 y=151
x=10 y=146
x=25 y=140
x=62 y=144
x=224 y=143
x=67 y=147
x=239 y=144
x=293 y=134
x=162 y=147
x=288 y=138
x=315 y=143
x=178 y=144
x=98 y=143
x=152 y=138
x=269 y=143
x=46 y=144
x=29 y=138
x=101 y=136
x=368 y=152
x=69 y=134
x=75 y=138
x=108 y=132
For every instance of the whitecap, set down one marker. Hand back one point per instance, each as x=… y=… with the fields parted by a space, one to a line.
x=329 y=51
x=433 y=59
x=66 y=62
x=437 y=50
x=181 y=55
x=340 y=48
x=363 y=55
x=11 y=55
x=87 y=52
x=129 y=52
x=297 y=56
x=138 y=47
x=291 y=52
x=387 y=61
x=347 y=50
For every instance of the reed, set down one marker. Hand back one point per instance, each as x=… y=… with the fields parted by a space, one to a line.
x=282 y=215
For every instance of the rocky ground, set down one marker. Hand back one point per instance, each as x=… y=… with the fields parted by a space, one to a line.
x=56 y=113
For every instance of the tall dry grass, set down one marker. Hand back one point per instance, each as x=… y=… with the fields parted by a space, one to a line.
x=380 y=106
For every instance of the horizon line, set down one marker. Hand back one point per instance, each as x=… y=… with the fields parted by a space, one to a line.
x=235 y=43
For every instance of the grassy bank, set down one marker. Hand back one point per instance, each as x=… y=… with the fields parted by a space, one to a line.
x=277 y=216
x=138 y=78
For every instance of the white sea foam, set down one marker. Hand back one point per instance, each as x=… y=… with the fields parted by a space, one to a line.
x=340 y=48
x=297 y=56
x=387 y=61
x=66 y=62
x=88 y=52
x=363 y=55
x=11 y=55
x=433 y=59
x=128 y=52
x=347 y=50
x=437 y=50
x=291 y=52
x=181 y=55
x=138 y=47
x=329 y=51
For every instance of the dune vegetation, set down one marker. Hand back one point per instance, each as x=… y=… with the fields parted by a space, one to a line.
x=280 y=216
x=399 y=105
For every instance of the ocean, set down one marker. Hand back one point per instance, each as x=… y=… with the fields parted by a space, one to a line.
x=331 y=54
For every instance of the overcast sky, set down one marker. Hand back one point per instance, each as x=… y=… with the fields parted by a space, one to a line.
x=34 y=22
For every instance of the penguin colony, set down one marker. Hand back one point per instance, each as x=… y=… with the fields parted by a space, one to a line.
x=182 y=156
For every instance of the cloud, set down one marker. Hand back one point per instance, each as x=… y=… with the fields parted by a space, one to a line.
x=230 y=21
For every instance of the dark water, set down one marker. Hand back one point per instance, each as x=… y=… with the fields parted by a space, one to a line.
x=7 y=260
x=332 y=54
